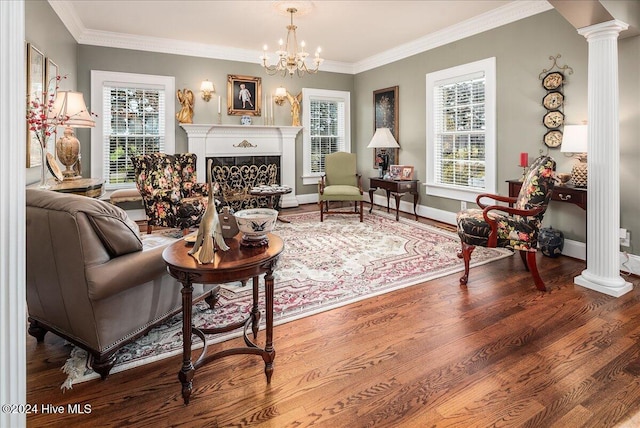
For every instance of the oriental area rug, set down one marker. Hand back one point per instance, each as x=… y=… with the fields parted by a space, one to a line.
x=323 y=266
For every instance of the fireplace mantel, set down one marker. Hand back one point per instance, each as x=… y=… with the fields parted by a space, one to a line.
x=210 y=140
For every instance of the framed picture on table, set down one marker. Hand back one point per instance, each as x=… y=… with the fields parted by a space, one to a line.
x=35 y=85
x=401 y=172
x=244 y=95
x=385 y=111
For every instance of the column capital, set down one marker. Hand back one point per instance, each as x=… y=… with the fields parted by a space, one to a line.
x=603 y=29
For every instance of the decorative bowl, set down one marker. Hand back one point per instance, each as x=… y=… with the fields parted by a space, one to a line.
x=255 y=223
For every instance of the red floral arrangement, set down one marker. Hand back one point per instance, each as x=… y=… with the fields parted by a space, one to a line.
x=40 y=116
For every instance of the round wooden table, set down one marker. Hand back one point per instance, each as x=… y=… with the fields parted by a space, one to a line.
x=236 y=264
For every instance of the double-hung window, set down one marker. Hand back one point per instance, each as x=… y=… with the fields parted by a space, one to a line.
x=461 y=131
x=135 y=116
x=326 y=129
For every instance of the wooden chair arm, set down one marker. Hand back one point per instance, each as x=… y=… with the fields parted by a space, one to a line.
x=321 y=185
x=499 y=198
x=360 y=183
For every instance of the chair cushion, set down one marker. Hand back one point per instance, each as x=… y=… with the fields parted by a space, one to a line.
x=513 y=232
x=341 y=193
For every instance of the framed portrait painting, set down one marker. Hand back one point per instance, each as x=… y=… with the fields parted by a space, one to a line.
x=385 y=107
x=35 y=85
x=244 y=95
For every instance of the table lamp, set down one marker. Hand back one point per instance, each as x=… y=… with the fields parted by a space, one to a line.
x=70 y=109
x=383 y=139
x=574 y=140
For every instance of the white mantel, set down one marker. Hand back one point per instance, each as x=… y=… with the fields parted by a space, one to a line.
x=209 y=140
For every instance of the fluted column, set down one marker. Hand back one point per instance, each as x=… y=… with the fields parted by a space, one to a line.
x=603 y=207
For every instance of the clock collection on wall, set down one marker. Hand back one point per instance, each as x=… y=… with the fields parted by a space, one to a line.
x=553 y=101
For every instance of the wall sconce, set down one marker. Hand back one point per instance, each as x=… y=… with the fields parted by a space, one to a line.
x=207 y=89
x=280 y=96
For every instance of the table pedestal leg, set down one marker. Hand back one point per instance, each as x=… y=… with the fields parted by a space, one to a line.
x=270 y=353
x=186 y=373
x=371 y=190
x=255 y=312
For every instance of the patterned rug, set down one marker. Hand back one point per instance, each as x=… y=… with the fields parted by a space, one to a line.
x=323 y=266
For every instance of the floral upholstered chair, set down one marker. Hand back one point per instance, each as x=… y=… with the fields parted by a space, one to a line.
x=171 y=195
x=516 y=228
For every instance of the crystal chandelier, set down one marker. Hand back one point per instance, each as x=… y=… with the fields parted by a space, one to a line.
x=290 y=59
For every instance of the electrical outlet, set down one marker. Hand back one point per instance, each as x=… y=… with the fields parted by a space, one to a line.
x=626 y=241
x=463 y=205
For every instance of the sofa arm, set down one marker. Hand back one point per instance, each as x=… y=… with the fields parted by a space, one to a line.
x=124 y=272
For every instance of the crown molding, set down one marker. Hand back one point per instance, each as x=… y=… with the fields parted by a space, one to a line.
x=501 y=16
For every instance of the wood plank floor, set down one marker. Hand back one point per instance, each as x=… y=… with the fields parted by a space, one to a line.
x=496 y=353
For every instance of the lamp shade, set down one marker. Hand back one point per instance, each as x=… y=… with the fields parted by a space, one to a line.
x=383 y=139
x=206 y=86
x=574 y=139
x=70 y=108
x=281 y=92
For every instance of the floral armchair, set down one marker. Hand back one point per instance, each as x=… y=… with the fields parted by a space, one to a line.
x=171 y=195
x=514 y=227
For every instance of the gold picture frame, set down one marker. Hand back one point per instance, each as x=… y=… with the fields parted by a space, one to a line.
x=35 y=86
x=244 y=95
x=385 y=115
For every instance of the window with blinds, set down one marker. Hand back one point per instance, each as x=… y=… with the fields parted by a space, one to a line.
x=134 y=119
x=461 y=131
x=135 y=116
x=326 y=129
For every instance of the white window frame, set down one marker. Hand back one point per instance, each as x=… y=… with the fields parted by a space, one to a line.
x=308 y=95
x=460 y=73
x=101 y=78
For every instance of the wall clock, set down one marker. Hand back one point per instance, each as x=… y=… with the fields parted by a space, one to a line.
x=553 y=80
x=553 y=138
x=553 y=100
x=553 y=119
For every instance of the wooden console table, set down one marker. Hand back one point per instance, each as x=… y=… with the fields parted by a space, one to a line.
x=236 y=264
x=570 y=194
x=396 y=187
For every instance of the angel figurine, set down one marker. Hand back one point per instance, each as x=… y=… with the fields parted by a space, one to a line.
x=185 y=115
x=210 y=229
x=295 y=108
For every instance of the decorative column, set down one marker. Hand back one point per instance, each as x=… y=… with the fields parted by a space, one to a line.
x=13 y=364
x=603 y=206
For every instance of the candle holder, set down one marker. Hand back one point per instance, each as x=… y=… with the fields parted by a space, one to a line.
x=524 y=171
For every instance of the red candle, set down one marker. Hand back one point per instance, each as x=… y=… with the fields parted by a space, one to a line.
x=524 y=159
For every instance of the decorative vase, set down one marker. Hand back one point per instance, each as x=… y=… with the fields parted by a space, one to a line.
x=551 y=242
x=43 y=168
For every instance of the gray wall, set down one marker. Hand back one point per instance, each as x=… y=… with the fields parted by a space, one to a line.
x=522 y=51
x=189 y=72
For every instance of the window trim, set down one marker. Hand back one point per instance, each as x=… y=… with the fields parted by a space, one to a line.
x=98 y=80
x=309 y=94
x=488 y=68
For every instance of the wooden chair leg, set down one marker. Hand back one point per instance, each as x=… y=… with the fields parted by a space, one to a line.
x=360 y=211
x=533 y=268
x=149 y=228
x=320 y=204
x=523 y=256
x=465 y=254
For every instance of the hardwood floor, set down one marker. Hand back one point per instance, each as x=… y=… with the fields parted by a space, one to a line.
x=496 y=353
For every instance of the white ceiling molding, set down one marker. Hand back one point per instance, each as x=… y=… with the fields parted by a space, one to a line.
x=501 y=16
x=504 y=15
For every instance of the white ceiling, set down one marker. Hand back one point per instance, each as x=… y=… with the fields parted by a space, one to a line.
x=354 y=35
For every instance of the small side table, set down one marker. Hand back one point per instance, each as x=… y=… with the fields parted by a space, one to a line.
x=236 y=264
x=396 y=187
x=273 y=193
x=91 y=187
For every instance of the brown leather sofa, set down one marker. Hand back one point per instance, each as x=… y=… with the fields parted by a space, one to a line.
x=92 y=278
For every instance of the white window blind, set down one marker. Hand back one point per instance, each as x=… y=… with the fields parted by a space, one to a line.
x=461 y=143
x=326 y=131
x=459 y=138
x=136 y=115
x=134 y=125
x=326 y=123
